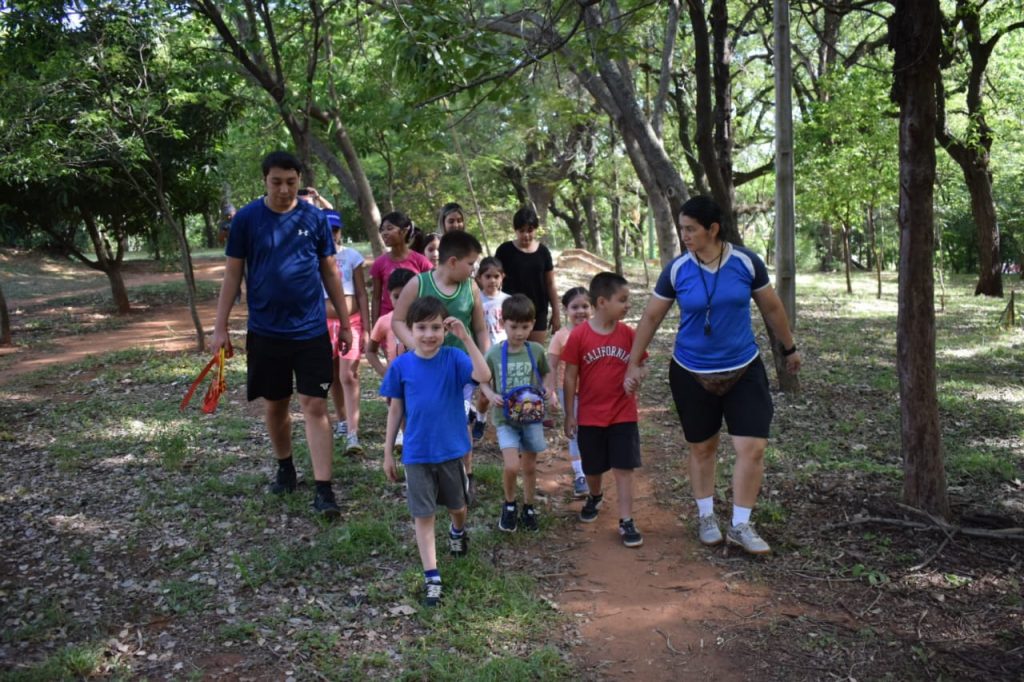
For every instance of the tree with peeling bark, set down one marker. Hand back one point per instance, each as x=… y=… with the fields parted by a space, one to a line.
x=915 y=37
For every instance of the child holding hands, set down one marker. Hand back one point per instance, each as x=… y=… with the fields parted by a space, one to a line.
x=520 y=376
x=596 y=355
x=576 y=302
x=425 y=388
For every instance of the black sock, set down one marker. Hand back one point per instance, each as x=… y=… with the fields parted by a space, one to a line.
x=598 y=497
x=323 y=487
x=286 y=465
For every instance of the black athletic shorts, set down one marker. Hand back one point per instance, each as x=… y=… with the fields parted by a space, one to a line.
x=609 y=447
x=273 y=362
x=747 y=407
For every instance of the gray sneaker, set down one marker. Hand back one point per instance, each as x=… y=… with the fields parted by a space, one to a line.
x=746 y=537
x=708 y=530
x=353 y=448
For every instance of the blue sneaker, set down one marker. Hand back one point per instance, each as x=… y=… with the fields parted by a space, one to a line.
x=580 y=489
x=479 y=428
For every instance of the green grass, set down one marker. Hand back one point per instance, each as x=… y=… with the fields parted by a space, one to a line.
x=71 y=663
x=111 y=425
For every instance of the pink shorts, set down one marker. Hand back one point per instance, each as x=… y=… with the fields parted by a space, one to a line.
x=355 y=321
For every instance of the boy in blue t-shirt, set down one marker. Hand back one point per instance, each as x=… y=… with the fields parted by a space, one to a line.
x=425 y=388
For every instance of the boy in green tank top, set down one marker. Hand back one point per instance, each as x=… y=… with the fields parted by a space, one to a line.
x=452 y=283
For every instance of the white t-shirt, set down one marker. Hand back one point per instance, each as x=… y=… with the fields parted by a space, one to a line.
x=492 y=315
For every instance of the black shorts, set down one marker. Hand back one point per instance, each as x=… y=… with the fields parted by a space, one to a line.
x=272 y=362
x=609 y=447
x=747 y=407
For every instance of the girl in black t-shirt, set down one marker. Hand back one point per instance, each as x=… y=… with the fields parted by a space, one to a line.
x=529 y=270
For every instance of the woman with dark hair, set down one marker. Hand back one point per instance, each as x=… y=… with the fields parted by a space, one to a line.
x=396 y=231
x=530 y=270
x=716 y=369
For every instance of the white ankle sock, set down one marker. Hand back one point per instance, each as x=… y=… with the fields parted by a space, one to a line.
x=740 y=515
x=706 y=506
x=577 y=467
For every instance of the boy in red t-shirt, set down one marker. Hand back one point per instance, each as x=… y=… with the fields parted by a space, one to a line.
x=595 y=357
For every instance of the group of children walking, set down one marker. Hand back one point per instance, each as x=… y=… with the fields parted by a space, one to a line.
x=462 y=334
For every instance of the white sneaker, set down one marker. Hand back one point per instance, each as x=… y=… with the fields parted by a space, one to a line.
x=353 y=448
x=340 y=430
x=708 y=530
x=746 y=537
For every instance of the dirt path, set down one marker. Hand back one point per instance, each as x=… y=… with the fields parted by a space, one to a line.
x=660 y=612
x=167 y=328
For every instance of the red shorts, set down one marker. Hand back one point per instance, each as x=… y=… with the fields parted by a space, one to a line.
x=355 y=322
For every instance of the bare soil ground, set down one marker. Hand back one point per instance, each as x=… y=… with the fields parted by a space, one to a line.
x=165 y=327
x=835 y=601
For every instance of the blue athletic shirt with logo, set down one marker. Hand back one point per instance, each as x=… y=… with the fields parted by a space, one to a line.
x=731 y=344
x=435 y=419
x=282 y=253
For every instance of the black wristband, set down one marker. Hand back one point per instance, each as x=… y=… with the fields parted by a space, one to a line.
x=786 y=352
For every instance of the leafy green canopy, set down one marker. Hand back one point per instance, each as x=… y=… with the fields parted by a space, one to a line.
x=101 y=102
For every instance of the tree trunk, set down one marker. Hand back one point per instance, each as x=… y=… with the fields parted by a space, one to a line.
x=872 y=228
x=190 y=280
x=983 y=207
x=617 y=232
x=915 y=37
x=847 y=256
x=593 y=226
x=178 y=228
x=712 y=55
x=5 y=321
x=208 y=231
x=661 y=210
x=572 y=221
x=108 y=263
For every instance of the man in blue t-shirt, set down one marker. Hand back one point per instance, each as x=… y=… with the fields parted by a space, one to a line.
x=286 y=250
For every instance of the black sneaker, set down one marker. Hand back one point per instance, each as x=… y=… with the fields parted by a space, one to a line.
x=458 y=545
x=470 y=491
x=478 y=430
x=529 y=518
x=284 y=482
x=325 y=506
x=589 y=512
x=432 y=596
x=507 y=522
x=631 y=537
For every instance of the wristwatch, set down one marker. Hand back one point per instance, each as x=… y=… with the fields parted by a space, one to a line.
x=786 y=352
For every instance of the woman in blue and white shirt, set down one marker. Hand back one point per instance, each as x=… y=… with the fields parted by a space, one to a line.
x=716 y=368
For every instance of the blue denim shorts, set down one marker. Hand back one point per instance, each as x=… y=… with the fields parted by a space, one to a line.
x=526 y=438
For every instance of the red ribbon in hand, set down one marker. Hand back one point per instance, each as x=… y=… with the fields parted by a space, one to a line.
x=217 y=387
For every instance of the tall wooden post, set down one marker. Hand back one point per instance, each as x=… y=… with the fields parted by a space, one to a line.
x=785 y=202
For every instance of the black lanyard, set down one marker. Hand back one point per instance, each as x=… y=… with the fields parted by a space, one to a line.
x=714 y=287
